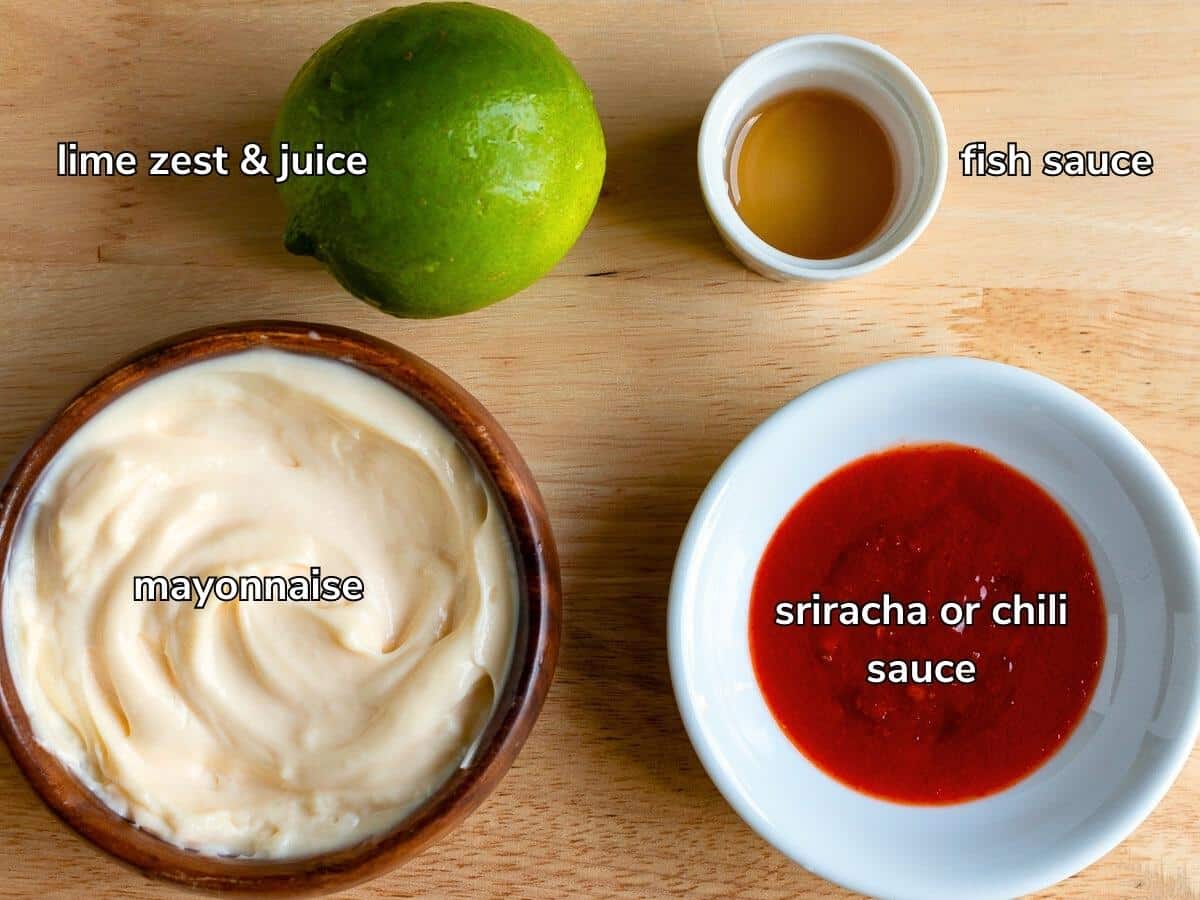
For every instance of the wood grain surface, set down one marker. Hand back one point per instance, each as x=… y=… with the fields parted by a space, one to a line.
x=628 y=373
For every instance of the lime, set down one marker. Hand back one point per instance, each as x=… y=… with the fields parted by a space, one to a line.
x=484 y=157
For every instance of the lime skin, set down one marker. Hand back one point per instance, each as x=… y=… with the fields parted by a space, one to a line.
x=485 y=157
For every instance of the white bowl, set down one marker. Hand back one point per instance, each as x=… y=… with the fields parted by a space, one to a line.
x=878 y=80
x=1142 y=721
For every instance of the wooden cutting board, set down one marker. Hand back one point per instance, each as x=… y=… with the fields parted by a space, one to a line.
x=628 y=373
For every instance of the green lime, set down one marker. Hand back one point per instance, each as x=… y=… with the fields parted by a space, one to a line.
x=484 y=157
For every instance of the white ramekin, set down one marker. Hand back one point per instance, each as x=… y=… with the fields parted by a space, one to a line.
x=878 y=80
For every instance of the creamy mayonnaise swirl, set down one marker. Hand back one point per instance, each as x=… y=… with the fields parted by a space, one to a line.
x=271 y=729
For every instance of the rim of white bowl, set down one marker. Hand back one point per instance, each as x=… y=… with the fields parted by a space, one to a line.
x=1165 y=498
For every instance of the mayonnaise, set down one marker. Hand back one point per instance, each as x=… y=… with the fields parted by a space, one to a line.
x=267 y=729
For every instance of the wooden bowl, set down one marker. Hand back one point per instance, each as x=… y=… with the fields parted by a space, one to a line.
x=535 y=652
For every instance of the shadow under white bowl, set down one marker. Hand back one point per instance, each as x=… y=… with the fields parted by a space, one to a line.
x=1142 y=721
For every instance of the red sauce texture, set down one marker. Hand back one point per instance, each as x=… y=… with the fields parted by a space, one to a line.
x=928 y=523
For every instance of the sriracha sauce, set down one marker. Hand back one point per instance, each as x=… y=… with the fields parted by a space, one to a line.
x=928 y=524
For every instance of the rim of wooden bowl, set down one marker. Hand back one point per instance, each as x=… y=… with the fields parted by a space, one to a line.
x=534 y=655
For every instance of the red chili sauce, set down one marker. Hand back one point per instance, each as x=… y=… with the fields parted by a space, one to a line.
x=928 y=523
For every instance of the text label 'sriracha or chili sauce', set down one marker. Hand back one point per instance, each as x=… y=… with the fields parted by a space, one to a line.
x=928 y=524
